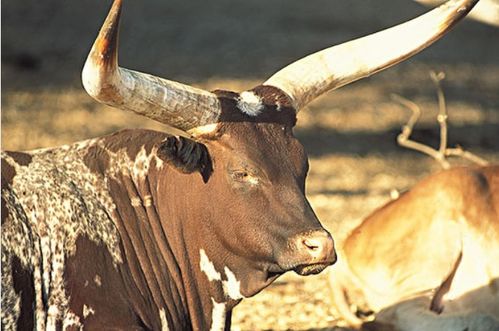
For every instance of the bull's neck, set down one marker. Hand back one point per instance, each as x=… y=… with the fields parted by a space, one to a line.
x=210 y=290
x=175 y=261
x=131 y=171
x=166 y=264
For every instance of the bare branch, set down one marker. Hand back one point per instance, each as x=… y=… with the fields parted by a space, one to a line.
x=442 y=109
x=460 y=152
x=403 y=138
x=443 y=152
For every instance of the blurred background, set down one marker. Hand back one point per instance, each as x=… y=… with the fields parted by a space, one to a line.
x=349 y=134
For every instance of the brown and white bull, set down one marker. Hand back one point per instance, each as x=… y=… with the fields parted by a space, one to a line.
x=145 y=230
x=427 y=260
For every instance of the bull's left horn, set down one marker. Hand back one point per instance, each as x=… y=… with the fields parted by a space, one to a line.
x=168 y=102
x=308 y=78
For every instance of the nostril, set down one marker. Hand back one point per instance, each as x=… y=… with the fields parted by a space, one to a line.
x=311 y=244
x=316 y=247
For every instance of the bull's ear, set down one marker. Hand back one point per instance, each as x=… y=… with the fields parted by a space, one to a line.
x=186 y=155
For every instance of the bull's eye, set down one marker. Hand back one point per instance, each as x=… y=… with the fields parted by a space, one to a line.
x=240 y=175
x=244 y=176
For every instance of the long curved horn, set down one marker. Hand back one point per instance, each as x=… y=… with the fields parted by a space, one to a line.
x=306 y=79
x=168 y=102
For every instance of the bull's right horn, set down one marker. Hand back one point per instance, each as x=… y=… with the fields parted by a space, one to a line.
x=306 y=79
x=175 y=104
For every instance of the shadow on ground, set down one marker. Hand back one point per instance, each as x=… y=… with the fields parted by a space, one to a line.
x=482 y=138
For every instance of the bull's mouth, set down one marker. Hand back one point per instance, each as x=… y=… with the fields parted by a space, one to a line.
x=310 y=269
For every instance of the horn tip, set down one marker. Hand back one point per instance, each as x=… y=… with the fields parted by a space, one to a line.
x=102 y=61
x=104 y=50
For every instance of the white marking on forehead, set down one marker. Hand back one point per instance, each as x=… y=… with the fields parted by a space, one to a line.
x=164 y=321
x=207 y=267
x=250 y=103
x=232 y=286
x=218 y=316
x=87 y=310
x=204 y=129
x=97 y=280
x=253 y=180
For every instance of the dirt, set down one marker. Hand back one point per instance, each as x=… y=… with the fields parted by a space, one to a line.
x=350 y=134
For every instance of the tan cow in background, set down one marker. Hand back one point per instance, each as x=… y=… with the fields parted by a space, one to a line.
x=431 y=256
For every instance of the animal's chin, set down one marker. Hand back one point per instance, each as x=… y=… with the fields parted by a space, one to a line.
x=310 y=269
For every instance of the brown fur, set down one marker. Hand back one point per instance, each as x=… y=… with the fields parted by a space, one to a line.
x=413 y=245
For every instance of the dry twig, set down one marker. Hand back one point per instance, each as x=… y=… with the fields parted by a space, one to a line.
x=443 y=151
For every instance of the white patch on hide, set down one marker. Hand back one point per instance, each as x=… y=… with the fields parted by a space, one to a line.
x=250 y=103
x=164 y=321
x=135 y=202
x=232 y=286
x=154 y=156
x=207 y=267
x=141 y=165
x=147 y=201
x=97 y=280
x=218 y=316
x=70 y=320
x=87 y=310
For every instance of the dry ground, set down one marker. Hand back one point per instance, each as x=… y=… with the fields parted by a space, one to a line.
x=349 y=134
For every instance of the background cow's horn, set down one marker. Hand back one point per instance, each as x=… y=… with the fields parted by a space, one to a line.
x=165 y=101
x=306 y=79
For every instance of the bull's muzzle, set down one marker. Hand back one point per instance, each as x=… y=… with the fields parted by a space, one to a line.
x=316 y=251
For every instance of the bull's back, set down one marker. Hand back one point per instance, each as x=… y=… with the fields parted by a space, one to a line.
x=60 y=248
